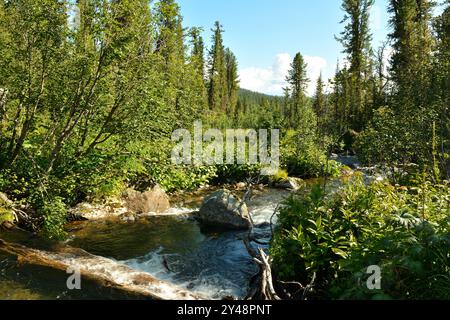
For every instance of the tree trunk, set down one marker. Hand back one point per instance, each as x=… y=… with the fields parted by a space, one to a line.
x=103 y=271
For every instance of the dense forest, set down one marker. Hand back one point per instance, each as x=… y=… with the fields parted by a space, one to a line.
x=91 y=91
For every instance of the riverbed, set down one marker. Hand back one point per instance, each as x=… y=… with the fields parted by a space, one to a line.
x=172 y=247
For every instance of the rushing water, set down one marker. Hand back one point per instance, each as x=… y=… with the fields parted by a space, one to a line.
x=171 y=247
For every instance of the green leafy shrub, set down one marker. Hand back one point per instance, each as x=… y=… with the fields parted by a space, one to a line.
x=54 y=213
x=404 y=230
x=281 y=175
x=174 y=178
x=6 y=215
x=302 y=156
x=236 y=173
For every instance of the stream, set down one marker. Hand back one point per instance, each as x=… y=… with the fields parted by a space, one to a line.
x=171 y=247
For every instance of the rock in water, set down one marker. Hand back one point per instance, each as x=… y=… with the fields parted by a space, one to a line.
x=155 y=200
x=290 y=183
x=132 y=203
x=223 y=209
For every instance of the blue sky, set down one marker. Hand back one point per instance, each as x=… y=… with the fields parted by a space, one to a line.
x=266 y=34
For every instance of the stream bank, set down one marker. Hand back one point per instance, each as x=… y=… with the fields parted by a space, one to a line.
x=172 y=247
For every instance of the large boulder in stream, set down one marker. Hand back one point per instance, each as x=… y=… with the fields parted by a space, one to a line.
x=223 y=209
x=126 y=208
x=155 y=200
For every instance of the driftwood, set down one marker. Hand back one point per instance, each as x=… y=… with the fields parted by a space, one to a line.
x=103 y=271
x=262 y=287
x=262 y=284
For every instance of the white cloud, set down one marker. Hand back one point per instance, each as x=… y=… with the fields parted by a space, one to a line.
x=272 y=80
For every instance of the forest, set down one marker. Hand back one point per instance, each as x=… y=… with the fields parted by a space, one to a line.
x=92 y=90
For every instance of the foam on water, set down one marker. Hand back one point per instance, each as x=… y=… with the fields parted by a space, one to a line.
x=207 y=282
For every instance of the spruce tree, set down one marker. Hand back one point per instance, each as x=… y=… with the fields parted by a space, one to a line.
x=217 y=75
x=298 y=82
x=319 y=103
x=198 y=50
x=169 y=43
x=232 y=81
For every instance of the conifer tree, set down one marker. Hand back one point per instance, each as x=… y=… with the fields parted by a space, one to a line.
x=232 y=81
x=217 y=75
x=319 y=103
x=298 y=82
x=198 y=50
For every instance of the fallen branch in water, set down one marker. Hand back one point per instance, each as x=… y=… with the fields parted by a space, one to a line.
x=103 y=271
x=262 y=288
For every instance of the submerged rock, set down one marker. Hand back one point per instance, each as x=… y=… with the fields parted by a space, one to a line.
x=223 y=209
x=128 y=217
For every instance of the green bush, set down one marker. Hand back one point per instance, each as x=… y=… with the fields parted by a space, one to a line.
x=6 y=215
x=280 y=176
x=236 y=173
x=403 y=230
x=174 y=178
x=303 y=157
x=54 y=213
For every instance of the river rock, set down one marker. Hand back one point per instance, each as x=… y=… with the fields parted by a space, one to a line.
x=290 y=183
x=128 y=217
x=89 y=211
x=155 y=200
x=223 y=209
x=240 y=185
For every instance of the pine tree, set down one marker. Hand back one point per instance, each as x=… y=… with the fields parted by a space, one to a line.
x=440 y=87
x=232 y=81
x=320 y=98
x=197 y=68
x=298 y=83
x=198 y=51
x=217 y=75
